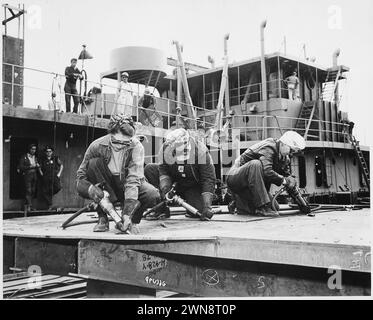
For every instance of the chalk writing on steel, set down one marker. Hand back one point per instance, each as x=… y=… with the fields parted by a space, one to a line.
x=261 y=283
x=147 y=262
x=157 y=282
x=210 y=277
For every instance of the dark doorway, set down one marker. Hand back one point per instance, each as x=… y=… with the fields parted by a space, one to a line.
x=18 y=147
x=302 y=172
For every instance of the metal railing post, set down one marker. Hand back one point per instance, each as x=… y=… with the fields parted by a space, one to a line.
x=12 y=87
x=168 y=115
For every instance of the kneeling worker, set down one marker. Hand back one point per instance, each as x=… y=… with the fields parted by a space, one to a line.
x=258 y=167
x=117 y=159
x=187 y=162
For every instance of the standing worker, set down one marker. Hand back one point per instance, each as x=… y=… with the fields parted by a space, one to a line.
x=124 y=96
x=117 y=160
x=262 y=164
x=51 y=169
x=29 y=167
x=187 y=162
x=72 y=73
x=293 y=84
x=147 y=112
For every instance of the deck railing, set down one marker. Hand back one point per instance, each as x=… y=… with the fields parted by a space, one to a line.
x=251 y=127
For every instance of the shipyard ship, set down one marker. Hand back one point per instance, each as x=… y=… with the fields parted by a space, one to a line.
x=230 y=108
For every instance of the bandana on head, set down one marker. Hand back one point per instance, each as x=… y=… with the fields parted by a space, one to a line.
x=179 y=141
x=122 y=122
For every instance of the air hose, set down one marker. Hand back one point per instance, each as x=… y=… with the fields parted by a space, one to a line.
x=303 y=206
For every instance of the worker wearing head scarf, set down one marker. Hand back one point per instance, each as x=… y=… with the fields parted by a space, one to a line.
x=187 y=162
x=258 y=167
x=117 y=159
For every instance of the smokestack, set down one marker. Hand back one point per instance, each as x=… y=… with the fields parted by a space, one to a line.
x=336 y=54
x=263 y=66
x=226 y=37
x=263 y=72
x=211 y=61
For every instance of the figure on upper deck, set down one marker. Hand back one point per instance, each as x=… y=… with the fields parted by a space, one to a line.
x=262 y=164
x=124 y=101
x=147 y=113
x=72 y=73
x=293 y=84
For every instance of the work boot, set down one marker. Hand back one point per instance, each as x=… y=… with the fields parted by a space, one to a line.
x=103 y=222
x=266 y=211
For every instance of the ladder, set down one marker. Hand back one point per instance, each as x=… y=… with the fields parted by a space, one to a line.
x=362 y=162
x=307 y=114
x=330 y=85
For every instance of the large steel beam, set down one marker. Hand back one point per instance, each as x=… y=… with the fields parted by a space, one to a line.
x=318 y=255
x=210 y=277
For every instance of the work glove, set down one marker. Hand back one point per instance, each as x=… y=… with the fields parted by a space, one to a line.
x=207 y=212
x=95 y=193
x=165 y=184
x=130 y=206
x=290 y=182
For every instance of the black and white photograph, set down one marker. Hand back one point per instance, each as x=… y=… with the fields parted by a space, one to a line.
x=174 y=151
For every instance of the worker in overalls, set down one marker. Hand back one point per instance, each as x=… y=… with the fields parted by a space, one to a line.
x=51 y=169
x=124 y=101
x=292 y=84
x=29 y=167
x=72 y=73
x=147 y=114
x=262 y=164
x=117 y=159
x=187 y=162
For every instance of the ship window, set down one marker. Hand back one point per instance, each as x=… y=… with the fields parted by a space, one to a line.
x=320 y=170
x=302 y=172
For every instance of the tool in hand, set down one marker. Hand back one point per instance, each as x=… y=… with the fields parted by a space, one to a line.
x=106 y=206
x=172 y=197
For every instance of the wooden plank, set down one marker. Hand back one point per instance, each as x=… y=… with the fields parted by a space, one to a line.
x=44 y=284
x=64 y=291
x=15 y=276
x=51 y=256
x=208 y=277
x=25 y=281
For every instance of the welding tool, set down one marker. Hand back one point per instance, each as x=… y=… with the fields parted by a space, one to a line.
x=295 y=194
x=109 y=209
x=168 y=198
x=172 y=197
x=302 y=203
